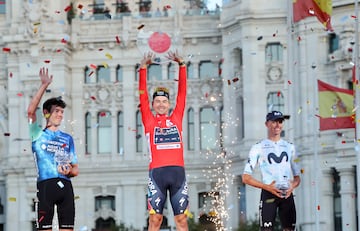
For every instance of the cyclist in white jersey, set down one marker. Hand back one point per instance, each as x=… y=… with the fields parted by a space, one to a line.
x=280 y=171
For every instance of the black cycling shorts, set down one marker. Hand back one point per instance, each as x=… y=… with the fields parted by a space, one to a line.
x=57 y=192
x=162 y=180
x=270 y=205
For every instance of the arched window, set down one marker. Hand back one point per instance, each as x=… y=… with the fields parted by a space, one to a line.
x=139 y=132
x=119 y=73
x=103 y=74
x=88 y=133
x=275 y=101
x=208 y=128
x=191 y=130
x=121 y=133
x=89 y=76
x=273 y=52
x=154 y=72
x=190 y=71
x=207 y=70
x=171 y=71
x=104 y=132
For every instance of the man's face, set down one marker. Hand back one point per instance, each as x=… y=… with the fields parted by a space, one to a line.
x=161 y=105
x=56 y=116
x=274 y=126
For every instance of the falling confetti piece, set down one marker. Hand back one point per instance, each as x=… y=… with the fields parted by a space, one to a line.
x=93 y=66
x=58 y=50
x=109 y=56
x=302 y=171
x=235 y=79
x=80 y=6
x=289 y=82
x=47 y=61
x=100 y=49
x=67 y=8
x=343 y=142
x=318 y=207
x=117 y=39
x=299 y=38
x=76 y=197
x=141 y=26
x=19 y=94
x=278 y=93
x=93 y=97
x=259 y=38
x=12 y=199
x=229 y=82
x=105 y=65
x=7 y=134
x=103 y=114
x=64 y=145
x=92 y=72
x=353 y=16
x=35 y=30
x=168 y=7
x=10 y=74
x=63 y=40
x=311 y=11
x=6 y=49
x=57 y=12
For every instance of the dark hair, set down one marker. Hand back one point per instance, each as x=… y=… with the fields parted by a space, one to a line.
x=57 y=101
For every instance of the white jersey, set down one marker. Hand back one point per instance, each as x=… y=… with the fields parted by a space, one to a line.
x=277 y=161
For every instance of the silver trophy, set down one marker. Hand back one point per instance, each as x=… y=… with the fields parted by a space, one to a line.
x=62 y=159
x=283 y=185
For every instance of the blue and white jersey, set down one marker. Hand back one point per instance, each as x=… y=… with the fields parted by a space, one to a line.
x=51 y=148
x=277 y=161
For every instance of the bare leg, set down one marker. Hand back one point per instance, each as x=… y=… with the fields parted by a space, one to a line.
x=155 y=221
x=181 y=222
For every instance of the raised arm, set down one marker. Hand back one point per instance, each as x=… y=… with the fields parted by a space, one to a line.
x=45 y=82
x=143 y=92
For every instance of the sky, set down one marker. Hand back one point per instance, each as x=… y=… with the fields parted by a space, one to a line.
x=211 y=4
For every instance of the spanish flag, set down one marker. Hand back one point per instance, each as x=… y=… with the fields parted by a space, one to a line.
x=335 y=107
x=322 y=9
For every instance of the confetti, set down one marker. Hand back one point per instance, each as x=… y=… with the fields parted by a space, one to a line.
x=80 y=6
x=76 y=197
x=318 y=207
x=259 y=38
x=118 y=39
x=141 y=26
x=58 y=50
x=57 y=12
x=7 y=134
x=168 y=7
x=103 y=114
x=93 y=66
x=109 y=56
x=67 y=8
x=6 y=49
x=19 y=94
x=63 y=40
x=92 y=72
x=12 y=199
x=100 y=49
x=289 y=82
x=64 y=145
x=10 y=74
x=47 y=61
x=302 y=171
x=93 y=97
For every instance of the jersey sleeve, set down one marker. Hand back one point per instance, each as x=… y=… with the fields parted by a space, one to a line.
x=144 y=96
x=252 y=160
x=181 y=95
x=34 y=131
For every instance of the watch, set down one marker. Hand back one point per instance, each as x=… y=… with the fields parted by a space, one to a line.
x=274 y=73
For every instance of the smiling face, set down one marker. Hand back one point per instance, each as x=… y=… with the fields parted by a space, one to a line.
x=54 y=117
x=161 y=105
x=274 y=128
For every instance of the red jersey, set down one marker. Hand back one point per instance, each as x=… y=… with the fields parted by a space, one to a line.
x=164 y=133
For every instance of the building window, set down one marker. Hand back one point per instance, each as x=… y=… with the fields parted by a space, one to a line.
x=104 y=132
x=337 y=200
x=102 y=224
x=3 y=7
x=207 y=70
x=139 y=132
x=275 y=101
x=190 y=71
x=103 y=74
x=171 y=71
x=119 y=73
x=120 y=133
x=333 y=42
x=89 y=76
x=154 y=72
x=208 y=128
x=137 y=69
x=104 y=202
x=191 y=130
x=273 y=53
x=240 y=128
x=88 y=133
x=207 y=200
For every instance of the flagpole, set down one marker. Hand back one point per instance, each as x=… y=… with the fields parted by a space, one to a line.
x=357 y=101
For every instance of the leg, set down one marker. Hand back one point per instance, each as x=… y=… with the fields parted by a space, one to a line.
x=155 y=221
x=181 y=222
x=267 y=211
x=66 y=208
x=287 y=214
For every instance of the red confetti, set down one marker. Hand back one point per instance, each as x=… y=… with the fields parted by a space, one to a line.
x=80 y=6
x=58 y=50
x=206 y=95
x=63 y=40
x=343 y=142
x=7 y=134
x=117 y=39
x=220 y=71
x=299 y=38
x=274 y=35
x=57 y=12
x=64 y=145
x=10 y=74
x=168 y=7
x=102 y=114
x=279 y=94
x=19 y=94
x=318 y=207
x=6 y=49
x=92 y=72
x=289 y=82
x=235 y=79
x=350 y=49
x=93 y=97
x=93 y=66
x=229 y=82
x=67 y=8
x=353 y=16
x=47 y=61
x=100 y=49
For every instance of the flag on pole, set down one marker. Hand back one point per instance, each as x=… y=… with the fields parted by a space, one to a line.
x=335 y=107
x=322 y=9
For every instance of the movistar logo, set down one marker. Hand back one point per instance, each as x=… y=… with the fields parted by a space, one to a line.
x=272 y=156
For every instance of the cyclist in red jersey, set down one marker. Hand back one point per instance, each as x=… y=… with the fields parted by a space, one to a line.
x=164 y=137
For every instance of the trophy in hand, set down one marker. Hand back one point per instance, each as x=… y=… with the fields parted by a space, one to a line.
x=283 y=185
x=63 y=160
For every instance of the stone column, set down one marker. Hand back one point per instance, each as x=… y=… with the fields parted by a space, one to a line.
x=348 y=198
